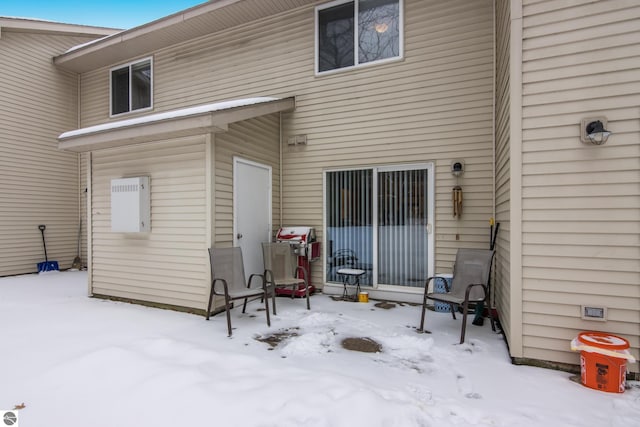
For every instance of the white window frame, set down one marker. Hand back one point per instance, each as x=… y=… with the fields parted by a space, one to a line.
x=355 y=38
x=130 y=65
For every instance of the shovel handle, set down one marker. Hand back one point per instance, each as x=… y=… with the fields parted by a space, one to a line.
x=42 y=228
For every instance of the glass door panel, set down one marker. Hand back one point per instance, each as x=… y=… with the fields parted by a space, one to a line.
x=402 y=227
x=349 y=216
x=377 y=220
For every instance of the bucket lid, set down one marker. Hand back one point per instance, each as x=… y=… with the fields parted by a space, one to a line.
x=603 y=340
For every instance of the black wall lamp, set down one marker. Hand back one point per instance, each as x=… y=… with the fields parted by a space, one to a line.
x=593 y=130
x=457 y=168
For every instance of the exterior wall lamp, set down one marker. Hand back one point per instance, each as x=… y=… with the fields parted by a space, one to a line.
x=457 y=168
x=593 y=130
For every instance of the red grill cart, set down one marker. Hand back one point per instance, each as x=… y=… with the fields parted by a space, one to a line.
x=304 y=247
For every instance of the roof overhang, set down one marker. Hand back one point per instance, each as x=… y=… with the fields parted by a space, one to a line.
x=190 y=121
x=27 y=25
x=209 y=17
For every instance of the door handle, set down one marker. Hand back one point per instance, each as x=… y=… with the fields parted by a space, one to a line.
x=239 y=236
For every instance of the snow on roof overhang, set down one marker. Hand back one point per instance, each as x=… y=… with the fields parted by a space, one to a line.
x=32 y=25
x=190 y=121
x=207 y=18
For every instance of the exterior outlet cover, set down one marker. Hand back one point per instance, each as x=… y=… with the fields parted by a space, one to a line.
x=130 y=205
x=594 y=313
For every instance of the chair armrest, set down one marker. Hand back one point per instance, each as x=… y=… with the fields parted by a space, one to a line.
x=469 y=287
x=225 y=287
x=264 y=284
x=268 y=277
x=305 y=274
x=446 y=284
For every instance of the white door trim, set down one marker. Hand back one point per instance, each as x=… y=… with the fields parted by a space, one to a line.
x=236 y=161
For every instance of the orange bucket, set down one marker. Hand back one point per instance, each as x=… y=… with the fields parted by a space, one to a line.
x=600 y=367
x=363 y=297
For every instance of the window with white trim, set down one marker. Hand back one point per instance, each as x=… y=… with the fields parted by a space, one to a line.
x=357 y=32
x=131 y=87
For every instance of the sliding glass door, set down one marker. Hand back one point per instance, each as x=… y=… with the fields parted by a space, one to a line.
x=378 y=220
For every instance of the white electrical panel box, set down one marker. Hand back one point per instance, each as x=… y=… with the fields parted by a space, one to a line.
x=130 y=205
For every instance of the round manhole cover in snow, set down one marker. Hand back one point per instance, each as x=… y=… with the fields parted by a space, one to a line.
x=10 y=418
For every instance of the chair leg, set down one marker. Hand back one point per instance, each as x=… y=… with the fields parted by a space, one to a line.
x=211 y=296
x=266 y=305
x=306 y=294
x=465 y=310
x=345 y=295
x=227 y=307
x=424 y=308
x=453 y=310
x=244 y=306
x=273 y=300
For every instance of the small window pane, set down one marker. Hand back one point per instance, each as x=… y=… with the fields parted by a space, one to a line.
x=141 y=85
x=120 y=90
x=335 y=37
x=378 y=29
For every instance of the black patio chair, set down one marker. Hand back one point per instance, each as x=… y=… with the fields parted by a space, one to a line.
x=228 y=280
x=469 y=285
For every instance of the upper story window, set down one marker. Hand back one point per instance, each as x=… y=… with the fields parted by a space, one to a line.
x=131 y=86
x=357 y=32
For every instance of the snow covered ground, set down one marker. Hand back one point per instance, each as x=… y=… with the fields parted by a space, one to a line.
x=75 y=361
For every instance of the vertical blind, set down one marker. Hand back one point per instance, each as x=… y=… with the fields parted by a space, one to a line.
x=402 y=222
x=399 y=224
x=350 y=222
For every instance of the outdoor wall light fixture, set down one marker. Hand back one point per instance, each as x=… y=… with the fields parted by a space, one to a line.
x=593 y=130
x=457 y=168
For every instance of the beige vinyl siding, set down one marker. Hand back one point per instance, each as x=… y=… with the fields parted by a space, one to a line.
x=581 y=202
x=502 y=288
x=39 y=184
x=256 y=140
x=434 y=105
x=169 y=265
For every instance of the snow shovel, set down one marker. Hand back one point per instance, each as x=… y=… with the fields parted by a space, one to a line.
x=46 y=265
x=77 y=261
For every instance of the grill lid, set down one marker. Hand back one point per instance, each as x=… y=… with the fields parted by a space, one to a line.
x=296 y=234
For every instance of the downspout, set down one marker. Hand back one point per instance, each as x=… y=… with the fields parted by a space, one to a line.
x=89 y=221
x=492 y=302
x=79 y=163
x=280 y=169
x=493 y=109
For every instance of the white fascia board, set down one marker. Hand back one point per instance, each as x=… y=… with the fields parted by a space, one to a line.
x=171 y=124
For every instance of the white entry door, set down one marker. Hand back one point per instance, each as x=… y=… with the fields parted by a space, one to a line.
x=251 y=211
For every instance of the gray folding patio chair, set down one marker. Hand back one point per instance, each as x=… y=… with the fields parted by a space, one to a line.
x=281 y=270
x=469 y=285
x=228 y=280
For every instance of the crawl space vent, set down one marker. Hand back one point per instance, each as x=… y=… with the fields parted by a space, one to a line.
x=130 y=205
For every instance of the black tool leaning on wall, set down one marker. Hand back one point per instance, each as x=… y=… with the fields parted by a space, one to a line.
x=46 y=265
x=77 y=261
